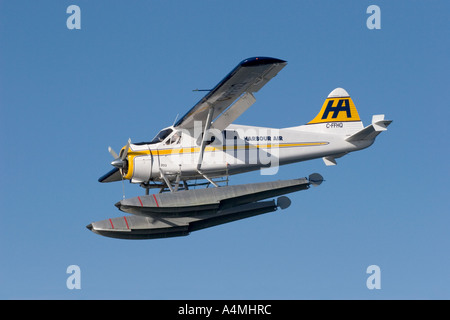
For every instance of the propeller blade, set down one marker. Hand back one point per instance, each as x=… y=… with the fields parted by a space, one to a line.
x=125 y=152
x=119 y=162
x=113 y=153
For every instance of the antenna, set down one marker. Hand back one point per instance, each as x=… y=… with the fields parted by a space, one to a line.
x=176 y=118
x=195 y=90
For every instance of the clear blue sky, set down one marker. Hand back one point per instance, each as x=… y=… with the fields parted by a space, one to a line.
x=66 y=95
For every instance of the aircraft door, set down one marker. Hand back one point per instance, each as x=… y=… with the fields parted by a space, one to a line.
x=168 y=154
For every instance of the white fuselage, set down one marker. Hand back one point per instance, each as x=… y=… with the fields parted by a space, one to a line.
x=237 y=149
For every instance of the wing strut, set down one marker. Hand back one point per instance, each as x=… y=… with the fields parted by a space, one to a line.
x=209 y=179
x=169 y=185
x=205 y=137
x=203 y=145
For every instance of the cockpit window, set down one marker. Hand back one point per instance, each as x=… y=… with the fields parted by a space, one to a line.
x=175 y=139
x=161 y=135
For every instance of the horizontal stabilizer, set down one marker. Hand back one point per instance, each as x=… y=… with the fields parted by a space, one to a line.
x=370 y=132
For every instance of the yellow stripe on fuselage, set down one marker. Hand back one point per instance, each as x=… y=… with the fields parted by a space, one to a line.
x=160 y=152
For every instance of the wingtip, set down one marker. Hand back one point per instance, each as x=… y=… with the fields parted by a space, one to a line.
x=257 y=61
x=104 y=178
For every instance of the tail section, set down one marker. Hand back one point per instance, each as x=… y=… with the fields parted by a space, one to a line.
x=338 y=115
x=339 y=118
x=370 y=132
x=338 y=107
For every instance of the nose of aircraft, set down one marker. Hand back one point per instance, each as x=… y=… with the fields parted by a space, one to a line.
x=118 y=163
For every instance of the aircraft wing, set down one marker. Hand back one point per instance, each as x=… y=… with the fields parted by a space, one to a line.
x=247 y=77
x=111 y=176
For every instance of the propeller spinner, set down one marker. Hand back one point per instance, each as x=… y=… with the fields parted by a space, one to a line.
x=120 y=162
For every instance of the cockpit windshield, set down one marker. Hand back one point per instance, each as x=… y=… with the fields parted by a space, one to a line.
x=161 y=136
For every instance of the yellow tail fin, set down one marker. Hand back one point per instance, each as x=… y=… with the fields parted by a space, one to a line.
x=338 y=107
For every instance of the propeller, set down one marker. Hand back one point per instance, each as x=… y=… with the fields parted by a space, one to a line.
x=120 y=162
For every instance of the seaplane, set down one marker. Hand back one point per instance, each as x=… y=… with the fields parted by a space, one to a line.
x=189 y=163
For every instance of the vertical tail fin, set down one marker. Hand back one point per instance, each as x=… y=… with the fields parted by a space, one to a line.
x=338 y=114
x=338 y=107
